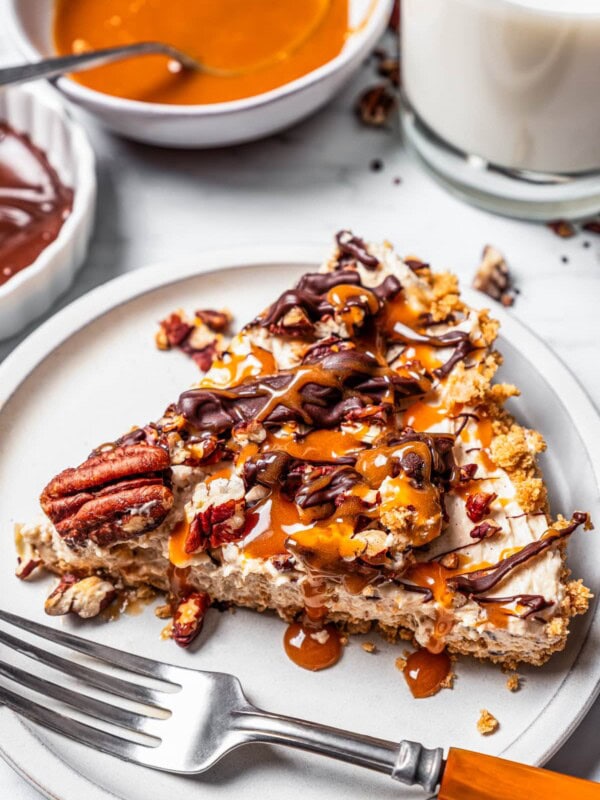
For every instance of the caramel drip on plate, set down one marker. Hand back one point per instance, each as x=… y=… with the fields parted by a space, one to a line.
x=425 y=672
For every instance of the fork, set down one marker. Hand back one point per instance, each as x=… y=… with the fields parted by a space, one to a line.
x=197 y=717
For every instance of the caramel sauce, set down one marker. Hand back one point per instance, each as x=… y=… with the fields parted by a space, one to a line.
x=318 y=445
x=268 y=526
x=276 y=522
x=234 y=368
x=498 y=615
x=267 y=43
x=399 y=311
x=177 y=555
x=485 y=432
x=292 y=393
x=308 y=652
x=425 y=672
x=422 y=416
x=341 y=298
x=423 y=353
x=433 y=576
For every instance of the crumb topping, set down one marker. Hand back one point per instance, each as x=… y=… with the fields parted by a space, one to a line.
x=487 y=723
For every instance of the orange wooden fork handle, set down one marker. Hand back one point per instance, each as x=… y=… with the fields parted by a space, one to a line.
x=473 y=776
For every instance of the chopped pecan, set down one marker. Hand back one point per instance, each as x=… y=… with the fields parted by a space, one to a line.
x=26 y=567
x=593 y=226
x=173 y=332
x=113 y=496
x=485 y=530
x=449 y=560
x=86 y=597
x=492 y=276
x=217 y=321
x=390 y=68
x=375 y=105
x=210 y=528
x=188 y=618
x=466 y=472
x=562 y=228
x=478 y=505
x=198 y=339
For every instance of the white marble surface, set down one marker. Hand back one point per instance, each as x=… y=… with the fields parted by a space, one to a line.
x=301 y=186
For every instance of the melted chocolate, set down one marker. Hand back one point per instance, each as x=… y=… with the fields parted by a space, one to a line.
x=33 y=202
x=308 y=295
x=323 y=396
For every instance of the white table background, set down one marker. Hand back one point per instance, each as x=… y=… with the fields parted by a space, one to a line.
x=301 y=186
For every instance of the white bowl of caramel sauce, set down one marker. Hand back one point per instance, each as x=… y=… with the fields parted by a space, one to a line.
x=47 y=198
x=289 y=59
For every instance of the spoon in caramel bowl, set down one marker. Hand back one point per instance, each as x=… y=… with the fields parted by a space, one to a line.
x=59 y=65
x=54 y=67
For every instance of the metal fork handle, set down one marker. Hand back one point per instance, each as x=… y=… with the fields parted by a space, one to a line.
x=53 y=67
x=407 y=762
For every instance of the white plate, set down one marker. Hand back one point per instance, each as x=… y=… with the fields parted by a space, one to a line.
x=92 y=371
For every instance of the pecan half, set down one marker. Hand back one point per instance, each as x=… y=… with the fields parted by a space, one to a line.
x=86 y=597
x=113 y=496
x=188 y=618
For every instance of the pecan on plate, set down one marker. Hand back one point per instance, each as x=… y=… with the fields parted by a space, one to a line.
x=86 y=597
x=188 y=618
x=113 y=496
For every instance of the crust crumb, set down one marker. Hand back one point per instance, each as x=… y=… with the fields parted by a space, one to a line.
x=577 y=598
x=400 y=663
x=369 y=647
x=487 y=723
x=448 y=682
x=513 y=682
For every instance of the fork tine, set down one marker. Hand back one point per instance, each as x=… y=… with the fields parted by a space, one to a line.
x=128 y=661
x=79 y=731
x=87 y=705
x=100 y=680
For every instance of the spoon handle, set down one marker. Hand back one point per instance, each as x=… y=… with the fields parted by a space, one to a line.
x=53 y=67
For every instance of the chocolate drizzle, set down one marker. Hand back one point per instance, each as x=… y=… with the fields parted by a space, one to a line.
x=483 y=580
x=458 y=339
x=352 y=248
x=534 y=602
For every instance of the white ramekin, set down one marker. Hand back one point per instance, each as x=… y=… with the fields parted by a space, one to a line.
x=32 y=291
x=210 y=125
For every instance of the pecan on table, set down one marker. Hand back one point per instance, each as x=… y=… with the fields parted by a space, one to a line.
x=113 y=496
